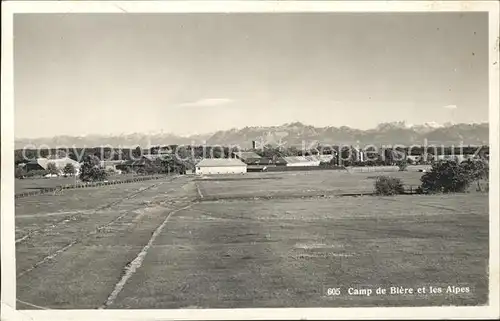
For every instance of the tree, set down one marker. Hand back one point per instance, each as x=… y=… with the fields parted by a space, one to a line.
x=44 y=153
x=403 y=165
x=182 y=152
x=334 y=161
x=477 y=170
x=126 y=169
x=69 y=169
x=152 y=168
x=385 y=185
x=389 y=156
x=347 y=156
x=20 y=172
x=154 y=150
x=19 y=157
x=137 y=152
x=73 y=156
x=446 y=177
x=52 y=168
x=91 y=170
x=61 y=153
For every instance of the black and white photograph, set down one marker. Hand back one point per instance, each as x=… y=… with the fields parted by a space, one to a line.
x=161 y=158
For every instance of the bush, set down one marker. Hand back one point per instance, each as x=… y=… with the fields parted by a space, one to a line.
x=385 y=185
x=19 y=172
x=446 y=177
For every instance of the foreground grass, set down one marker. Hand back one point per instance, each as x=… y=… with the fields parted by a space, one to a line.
x=243 y=254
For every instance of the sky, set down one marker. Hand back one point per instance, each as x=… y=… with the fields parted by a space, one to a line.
x=80 y=74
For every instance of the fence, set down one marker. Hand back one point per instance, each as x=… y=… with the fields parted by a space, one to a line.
x=86 y=185
x=411 y=189
x=351 y=169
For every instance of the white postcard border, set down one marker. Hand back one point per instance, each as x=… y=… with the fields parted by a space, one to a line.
x=8 y=277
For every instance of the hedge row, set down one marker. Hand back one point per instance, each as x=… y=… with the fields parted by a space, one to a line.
x=85 y=185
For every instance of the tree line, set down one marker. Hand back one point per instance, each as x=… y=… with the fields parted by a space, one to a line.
x=348 y=154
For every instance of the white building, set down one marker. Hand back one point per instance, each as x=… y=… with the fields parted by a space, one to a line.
x=299 y=161
x=210 y=166
x=111 y=164
x=59 y=163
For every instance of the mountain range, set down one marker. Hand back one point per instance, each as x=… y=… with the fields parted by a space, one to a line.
x=290 y=134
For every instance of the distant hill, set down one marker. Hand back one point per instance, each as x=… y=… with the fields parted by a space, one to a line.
x=292 y=134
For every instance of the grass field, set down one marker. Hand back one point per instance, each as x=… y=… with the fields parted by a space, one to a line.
x=159 y=245
x=296 y=184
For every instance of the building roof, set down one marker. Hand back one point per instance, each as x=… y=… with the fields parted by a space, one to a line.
x=259 y=161
x=258 y=167
x=220 y=162
x=111 y=162
x=301 y=159
x=60 y=162
x=323 y=158
x=246 y=155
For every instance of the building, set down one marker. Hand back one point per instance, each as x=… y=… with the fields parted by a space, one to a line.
x=265 y=161
x=33 y=165
x=210 y=166
x=258 y=168
x=324 y=158
x=111 y=164
x=60 y=163
x=247 y=157
x=300 y=161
